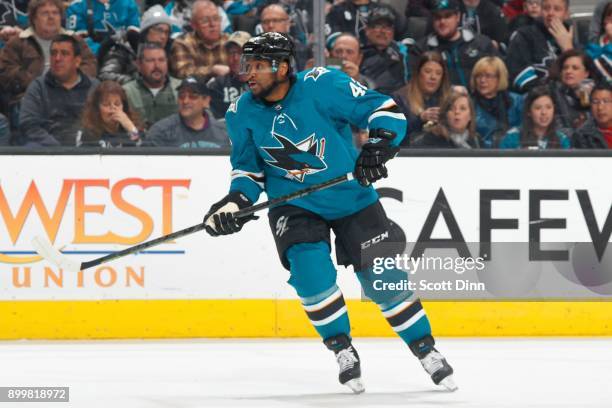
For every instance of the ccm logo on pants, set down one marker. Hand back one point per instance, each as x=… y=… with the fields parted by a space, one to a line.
x=375 y=240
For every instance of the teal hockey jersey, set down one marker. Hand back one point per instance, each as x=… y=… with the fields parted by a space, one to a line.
x=306 y=139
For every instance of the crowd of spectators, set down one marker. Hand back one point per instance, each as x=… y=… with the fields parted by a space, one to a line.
x=483 y=74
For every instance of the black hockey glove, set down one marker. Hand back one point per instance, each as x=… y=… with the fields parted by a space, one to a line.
x=370 y=165
x=220 y=218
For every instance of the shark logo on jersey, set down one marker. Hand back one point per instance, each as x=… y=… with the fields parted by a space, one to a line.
x=315 y=73
x=297 y=159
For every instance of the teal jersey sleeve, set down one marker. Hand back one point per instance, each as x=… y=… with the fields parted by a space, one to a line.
x=360 y=106
x=74 y=21
x=247 y=167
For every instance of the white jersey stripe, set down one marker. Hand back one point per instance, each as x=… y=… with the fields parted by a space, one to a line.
x=331 y=318
x=328 y=300
x=397 y=309
x=393 y=115
x=410 y=322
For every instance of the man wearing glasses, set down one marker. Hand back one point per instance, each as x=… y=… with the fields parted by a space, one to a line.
x=202 y=51
x=385 y=61
x=274 y=18
x=596 y=133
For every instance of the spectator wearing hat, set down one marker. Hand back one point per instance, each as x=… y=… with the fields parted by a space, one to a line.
x=225 y=89
x=153 y=94
x=202 y=51
x=385 y=61
x=156 y=27
x=118 y=59
x=461 y=48
x=484 y=17
x=351 y=16
x=194 y=125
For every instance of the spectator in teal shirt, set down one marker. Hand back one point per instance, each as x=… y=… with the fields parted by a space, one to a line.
x=539 y=129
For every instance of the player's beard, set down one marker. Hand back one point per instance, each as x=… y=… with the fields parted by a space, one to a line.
x=269 y=89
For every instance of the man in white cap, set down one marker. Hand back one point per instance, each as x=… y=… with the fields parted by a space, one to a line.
x=156 y=26
x=225 y=89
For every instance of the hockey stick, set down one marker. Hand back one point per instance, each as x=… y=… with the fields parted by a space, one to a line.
x=48 y=252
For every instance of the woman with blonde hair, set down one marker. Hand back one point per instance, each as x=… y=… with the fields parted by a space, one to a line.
x=497 y=109
x=456 y=127
x=420 y=99
x=108 y=120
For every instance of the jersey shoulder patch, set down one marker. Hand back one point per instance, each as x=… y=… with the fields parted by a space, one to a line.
x=316 y=73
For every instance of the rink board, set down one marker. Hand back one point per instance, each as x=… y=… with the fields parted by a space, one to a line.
x=234 y=286
x=285 y=318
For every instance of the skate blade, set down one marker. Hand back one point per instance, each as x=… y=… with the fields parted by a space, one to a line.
x=449 y=383
x=356 y=385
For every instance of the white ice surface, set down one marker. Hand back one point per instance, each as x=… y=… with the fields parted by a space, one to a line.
x=490 y=373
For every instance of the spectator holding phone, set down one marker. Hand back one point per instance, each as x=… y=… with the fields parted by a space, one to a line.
x=571 y=87
x=347 y=56
x=456 y=127
x=420 y=99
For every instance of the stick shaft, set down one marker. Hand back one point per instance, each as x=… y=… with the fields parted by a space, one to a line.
x=242 y=213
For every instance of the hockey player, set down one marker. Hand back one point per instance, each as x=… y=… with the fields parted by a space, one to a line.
x=290 y=131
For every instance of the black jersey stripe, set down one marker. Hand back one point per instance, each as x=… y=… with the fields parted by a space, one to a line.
x=327 y=311
x=403 y=316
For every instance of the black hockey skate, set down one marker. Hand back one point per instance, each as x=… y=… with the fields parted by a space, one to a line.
x=433 y=362
x=348 y=360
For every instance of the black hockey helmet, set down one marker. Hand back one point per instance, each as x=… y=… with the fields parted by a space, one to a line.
x=272 y=46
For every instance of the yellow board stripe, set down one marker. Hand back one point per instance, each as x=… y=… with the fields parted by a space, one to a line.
x=123 y=319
